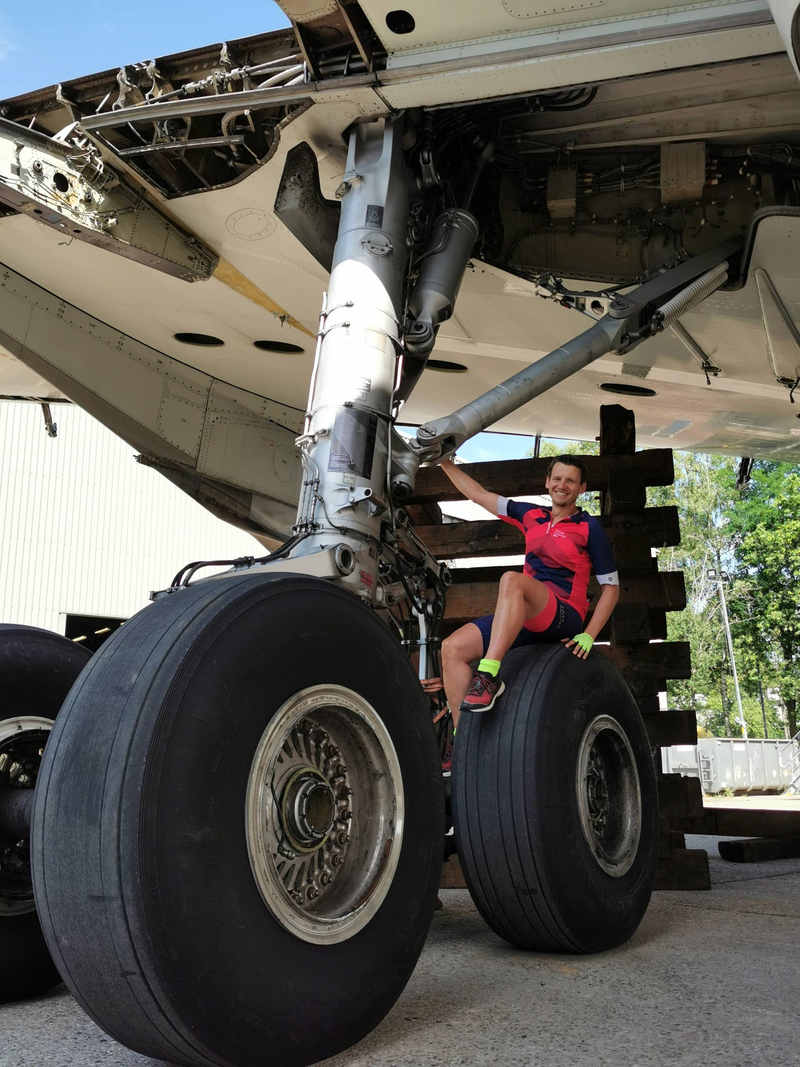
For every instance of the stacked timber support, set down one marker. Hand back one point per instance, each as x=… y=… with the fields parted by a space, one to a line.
x=638 y=627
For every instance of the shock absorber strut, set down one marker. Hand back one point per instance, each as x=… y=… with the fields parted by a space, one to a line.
x=346 y=441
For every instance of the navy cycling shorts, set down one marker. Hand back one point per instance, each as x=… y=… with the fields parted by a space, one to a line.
x=557 y=621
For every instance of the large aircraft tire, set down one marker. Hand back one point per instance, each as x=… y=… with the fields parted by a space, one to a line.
x=555 y=805
x=239 y=825
x=37 y=669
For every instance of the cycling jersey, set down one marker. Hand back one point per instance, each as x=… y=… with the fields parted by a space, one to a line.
x=562 y=555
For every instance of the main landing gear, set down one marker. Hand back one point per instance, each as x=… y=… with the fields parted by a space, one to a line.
x=238 y=827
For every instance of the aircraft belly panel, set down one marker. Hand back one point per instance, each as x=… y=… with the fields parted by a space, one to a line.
x=549 y=71
x=435 y=27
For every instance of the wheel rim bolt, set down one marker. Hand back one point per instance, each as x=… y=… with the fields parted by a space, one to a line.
x=346 y=816
x=331 y=751
x=342 y=837
x=23 y=779
x=336 y=861
x=3 y=760
x=344 y=793
x=312 y=892
x=325 y=878
x=13 y=771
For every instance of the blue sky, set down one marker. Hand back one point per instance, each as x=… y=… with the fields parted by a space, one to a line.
x=52 y=42
x=60 y=43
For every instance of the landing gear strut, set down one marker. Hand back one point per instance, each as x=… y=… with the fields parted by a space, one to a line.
x=238 y=827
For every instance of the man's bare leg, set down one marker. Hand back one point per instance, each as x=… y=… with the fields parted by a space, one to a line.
x=519 y=598
x=459 y=651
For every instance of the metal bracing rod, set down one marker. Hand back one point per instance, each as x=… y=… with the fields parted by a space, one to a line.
x=631 y=318
x=449 y=433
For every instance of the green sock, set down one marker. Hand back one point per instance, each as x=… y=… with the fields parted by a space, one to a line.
x=489 y=666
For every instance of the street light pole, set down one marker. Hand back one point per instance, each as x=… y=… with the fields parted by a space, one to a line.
x=720 y=577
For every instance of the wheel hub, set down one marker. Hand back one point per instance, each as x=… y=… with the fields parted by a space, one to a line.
x=308 y=810
x=22 y=741
x=324 y=815
x=609 y=795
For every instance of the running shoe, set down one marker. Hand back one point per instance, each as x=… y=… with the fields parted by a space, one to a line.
x=447 y=759
x=483 y=692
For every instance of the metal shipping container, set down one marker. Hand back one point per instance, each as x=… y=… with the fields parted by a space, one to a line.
x=752 y=766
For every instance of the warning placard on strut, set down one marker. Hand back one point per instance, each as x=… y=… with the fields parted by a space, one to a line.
x=353 y=442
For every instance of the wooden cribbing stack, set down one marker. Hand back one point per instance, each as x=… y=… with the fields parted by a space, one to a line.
x=638 y=627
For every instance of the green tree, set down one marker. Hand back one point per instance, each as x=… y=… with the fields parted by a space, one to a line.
x=766 y=530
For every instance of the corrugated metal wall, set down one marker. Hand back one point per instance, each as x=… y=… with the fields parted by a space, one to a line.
x=84 y=528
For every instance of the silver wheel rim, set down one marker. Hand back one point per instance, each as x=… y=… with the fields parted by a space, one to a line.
x=21 y=742
x=324 y=814
x=609 y=795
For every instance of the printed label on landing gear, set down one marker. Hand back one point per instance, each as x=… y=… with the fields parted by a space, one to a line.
x=374 y=215
x=367 y=579
x=353 y=442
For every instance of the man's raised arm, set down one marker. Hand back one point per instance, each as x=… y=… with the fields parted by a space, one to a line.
x=469 y=487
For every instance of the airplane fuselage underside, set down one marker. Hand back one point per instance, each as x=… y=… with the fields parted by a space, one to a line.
x=165 y=259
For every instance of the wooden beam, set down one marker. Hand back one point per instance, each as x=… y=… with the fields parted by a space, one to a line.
x=668 y=659
x=683 y=868
x=631 y=534
x=525 y=477
x=760 y=849
x=680 y=797
x=617 y=430
x=427 y=514
x=474 y=591
x=665 y=728
x=630 y=622
x=627 y=490
x=744 y=822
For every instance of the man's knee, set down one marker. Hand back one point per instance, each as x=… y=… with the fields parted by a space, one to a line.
x=510 y=582
x=455 y=649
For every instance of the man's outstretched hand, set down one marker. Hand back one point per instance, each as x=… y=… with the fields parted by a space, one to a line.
x=582 y=642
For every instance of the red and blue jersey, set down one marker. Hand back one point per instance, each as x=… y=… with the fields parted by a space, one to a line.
x=562 y=555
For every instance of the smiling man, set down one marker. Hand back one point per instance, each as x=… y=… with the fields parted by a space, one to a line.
x=547 y=602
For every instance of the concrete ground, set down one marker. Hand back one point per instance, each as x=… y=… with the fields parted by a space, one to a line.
x=709 y=978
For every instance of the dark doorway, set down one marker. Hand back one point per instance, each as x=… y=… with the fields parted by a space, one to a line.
x=91 y=630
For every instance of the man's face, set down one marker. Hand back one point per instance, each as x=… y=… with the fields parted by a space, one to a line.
x=564 y=485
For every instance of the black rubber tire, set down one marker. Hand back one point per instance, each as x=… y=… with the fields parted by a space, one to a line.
x=526 y=860
x=141 y=868
x=37 y=670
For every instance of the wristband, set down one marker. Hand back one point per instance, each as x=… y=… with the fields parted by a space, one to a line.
x=584 y=642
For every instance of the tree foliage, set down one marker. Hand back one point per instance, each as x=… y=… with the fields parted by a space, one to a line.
x=754 y=537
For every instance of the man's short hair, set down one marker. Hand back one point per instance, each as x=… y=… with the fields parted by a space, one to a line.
x=570 y=461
